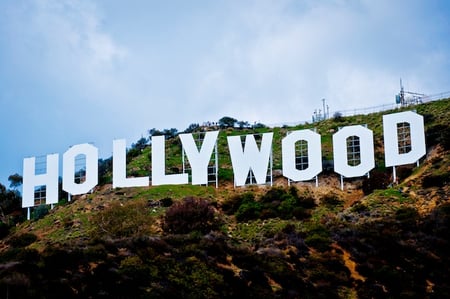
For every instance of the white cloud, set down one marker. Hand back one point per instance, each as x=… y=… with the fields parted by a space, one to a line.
x=271 y=55
x=280 y=63
x=64 y=42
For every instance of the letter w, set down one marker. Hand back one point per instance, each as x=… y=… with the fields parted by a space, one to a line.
x=250 y=157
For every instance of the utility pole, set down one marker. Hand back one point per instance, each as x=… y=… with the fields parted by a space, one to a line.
x=324 y=111
x=402 y=94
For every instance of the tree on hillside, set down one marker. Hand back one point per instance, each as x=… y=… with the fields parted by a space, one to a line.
x=104 y=168
x=337 y=116
x=192 y=128
x=15 y=180
x=227 y=122
x=10 y=201
x=154 y=132
x=168 y=133
x=140 y=144
x=243 y=124
x=259 y=126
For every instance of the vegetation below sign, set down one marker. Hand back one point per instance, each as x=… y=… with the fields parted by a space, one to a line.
x=374 y=239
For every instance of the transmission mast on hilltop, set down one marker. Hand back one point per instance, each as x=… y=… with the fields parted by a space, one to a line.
x=318 y=115
x=413 y=98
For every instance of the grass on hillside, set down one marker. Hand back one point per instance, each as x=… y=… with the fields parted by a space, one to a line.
x=436 y=115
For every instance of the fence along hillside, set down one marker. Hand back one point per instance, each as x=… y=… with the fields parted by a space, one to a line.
x=368 y=110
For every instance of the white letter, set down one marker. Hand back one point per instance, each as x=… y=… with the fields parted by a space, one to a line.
x=366 y=151
x=91 y=154
x=199 y=160
x=417 y=134
x=159 y=176
x=32 y=180
x=120 y=168
x=250 y=158
x=314 y=155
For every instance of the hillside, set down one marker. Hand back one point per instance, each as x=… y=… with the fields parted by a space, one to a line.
x=374 y=239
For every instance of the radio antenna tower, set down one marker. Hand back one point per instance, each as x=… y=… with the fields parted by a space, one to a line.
x=402 y=93
x=413 y=99
x=321 y=114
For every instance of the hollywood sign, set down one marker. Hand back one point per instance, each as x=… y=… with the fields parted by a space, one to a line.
x=244 y=158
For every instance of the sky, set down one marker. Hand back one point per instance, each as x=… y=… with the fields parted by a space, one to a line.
x=76 y=71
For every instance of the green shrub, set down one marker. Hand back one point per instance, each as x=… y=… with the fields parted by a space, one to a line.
x=192 y=278
x=274 y=194
x=190 y=214
x=128 y=219
x=166 y=202
x=134 y=268
x=276 y=202
x=403 y=172
x=331 y=199
x=436 y=180
x=319 y=242
x=22 y=240
x=359 y=208
x=267 y=213
x=4 y=229
x=249 y=209
x=319 y=238
x=406 y=214
x=132 y=153
x=225 y=174
x=96 y=252
x=301 y=213
x=39 y=212
x=232 y=204
x=438 y=134
x=28 y=255
x=377 y=180
x=287 y=207
x=307 y=202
